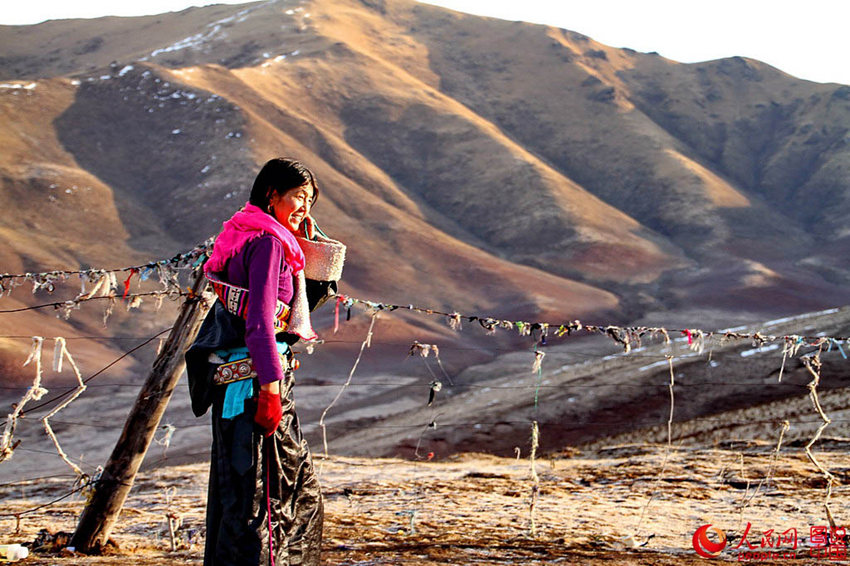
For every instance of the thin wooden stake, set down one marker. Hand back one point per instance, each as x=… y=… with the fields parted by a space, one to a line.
x=535 y=479
x=110 y=492
x=813 y=365
x=667 y=450
x=366 y=343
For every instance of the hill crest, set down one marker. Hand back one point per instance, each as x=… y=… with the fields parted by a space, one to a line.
x=470 y=162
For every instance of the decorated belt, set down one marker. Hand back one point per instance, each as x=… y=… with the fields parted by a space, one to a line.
x=243 y=368
x=236 y=370
x=235 y=301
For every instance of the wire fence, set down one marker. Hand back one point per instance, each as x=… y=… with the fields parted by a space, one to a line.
x=102 y=285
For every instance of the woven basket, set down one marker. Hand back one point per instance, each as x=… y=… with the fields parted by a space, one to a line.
x=324 y=258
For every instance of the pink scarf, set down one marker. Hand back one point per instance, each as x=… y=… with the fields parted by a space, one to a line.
x=244 y=226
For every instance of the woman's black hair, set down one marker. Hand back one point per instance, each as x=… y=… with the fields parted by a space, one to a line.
x=278 y=176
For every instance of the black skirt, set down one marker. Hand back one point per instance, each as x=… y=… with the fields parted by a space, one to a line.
x=251 y=474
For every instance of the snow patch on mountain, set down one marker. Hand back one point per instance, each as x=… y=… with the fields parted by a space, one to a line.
x=214 y=30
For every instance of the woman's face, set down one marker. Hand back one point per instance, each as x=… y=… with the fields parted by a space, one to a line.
x=293 y=206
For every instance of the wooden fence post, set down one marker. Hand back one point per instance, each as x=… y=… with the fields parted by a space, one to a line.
x=111 y=490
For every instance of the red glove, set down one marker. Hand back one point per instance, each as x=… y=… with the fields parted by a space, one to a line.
x=269 y=411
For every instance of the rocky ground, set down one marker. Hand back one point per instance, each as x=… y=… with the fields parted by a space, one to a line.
x=628 y=504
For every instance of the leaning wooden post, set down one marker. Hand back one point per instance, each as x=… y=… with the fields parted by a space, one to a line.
x=111 y=490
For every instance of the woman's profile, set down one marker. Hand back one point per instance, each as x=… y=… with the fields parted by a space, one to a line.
x=264 y=504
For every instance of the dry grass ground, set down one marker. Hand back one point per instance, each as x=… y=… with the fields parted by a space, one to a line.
x=620 y=505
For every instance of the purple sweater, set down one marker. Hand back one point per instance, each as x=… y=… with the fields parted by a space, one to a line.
x=261 y=268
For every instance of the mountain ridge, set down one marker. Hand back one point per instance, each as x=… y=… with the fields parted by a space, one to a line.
x=470 y=163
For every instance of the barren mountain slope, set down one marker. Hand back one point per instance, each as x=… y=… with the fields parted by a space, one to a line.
x=584 y=108
x=531 y=144
x=196 y=35
x=199 y=151
x=596 y=113
x=56 y=215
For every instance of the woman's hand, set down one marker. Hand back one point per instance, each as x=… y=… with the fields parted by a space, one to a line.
x=269 y=409
x=309 y=227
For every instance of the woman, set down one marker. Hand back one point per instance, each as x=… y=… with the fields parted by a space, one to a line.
x=264 y=504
